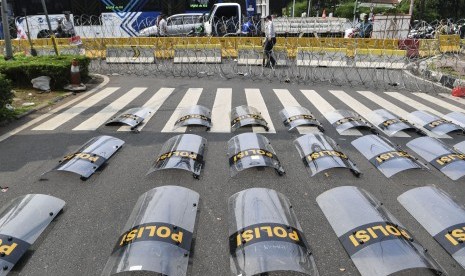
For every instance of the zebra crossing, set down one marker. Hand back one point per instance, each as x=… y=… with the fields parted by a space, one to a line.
x=360 y=108
x=190 y=98
x=324 y=107
x=111 y=101
x=110 y=110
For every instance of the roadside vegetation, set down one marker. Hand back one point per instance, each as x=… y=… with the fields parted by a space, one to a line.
x=427 y=10
x=6 y=97
x=17 y=74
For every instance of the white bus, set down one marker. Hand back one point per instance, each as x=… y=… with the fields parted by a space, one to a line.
x=99 y=18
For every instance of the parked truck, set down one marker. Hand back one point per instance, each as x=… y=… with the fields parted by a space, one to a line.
x=226 y=18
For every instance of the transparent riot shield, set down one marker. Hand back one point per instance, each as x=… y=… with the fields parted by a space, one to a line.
x=295 y=116
x=158 y=234
x=319 y=153
x=21 y=222
x=249 y=150
x=440 y=215
x=88 y=158
x=131 y=117
x=185 y=152
x=376 y=242
x=441 y=156
x=343 y=120
x=457 y=118
x=247 y=116
x=460 y=147
x=385 y=156
x=433 y=123
x=391 y=123
x=194 y=115
x=265 y=236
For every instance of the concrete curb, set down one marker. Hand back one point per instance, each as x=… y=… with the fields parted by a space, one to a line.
x=53 y=101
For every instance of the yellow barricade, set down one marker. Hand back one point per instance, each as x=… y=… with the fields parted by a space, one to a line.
x=380 y=58
x=197 y=53
x=164 y=46
x=428 y=47
x=321 y=57
x=130 y=54
x=449 y=43
x=254 y=55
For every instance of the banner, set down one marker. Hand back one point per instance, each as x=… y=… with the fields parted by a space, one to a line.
x=251 y=6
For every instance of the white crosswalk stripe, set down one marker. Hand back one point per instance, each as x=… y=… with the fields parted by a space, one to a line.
x=69 y=114
x=190 y=98
x=220 y=111
x=396 y=110
x=287 y=100
x=154 y=103
x=360 y=108
x=223 y=103
x=105 y=114
x=255 y=99
x=418 y=106
x=439 y=102
x=324 y=107
x=415 y=104
x=449 y=96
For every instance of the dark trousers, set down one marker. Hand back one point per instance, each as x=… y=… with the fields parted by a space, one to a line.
x=268 y=49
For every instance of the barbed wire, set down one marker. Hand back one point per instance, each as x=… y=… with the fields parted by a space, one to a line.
x=307 y=51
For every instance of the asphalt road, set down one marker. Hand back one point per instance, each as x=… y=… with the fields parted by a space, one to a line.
x=80 y=240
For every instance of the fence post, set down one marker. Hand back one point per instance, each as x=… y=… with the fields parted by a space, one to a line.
x=52 y=35
x=6 y=30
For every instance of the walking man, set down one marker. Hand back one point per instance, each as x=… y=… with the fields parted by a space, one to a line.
x=162 y=26
x=270 y=41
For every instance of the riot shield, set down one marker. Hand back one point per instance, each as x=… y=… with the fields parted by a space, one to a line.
x=265 y=236
x=319 y=153
x=88 y=158
x=247 y=116
x=457 y=118
x=391 y=123
x=194 y=115
x=131 y=117
x=185 y=152
x=441 y=156
x=385 y=156
x=21 y=223
x=460 y=147
x=249 y=150
x=158 y=234
x=440 y=215
x=377 y=242
x=433 y=123
x=343 y=120
x=298 y=116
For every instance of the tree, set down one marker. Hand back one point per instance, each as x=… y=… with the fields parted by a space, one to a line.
x=300 y=7
x=430 y=10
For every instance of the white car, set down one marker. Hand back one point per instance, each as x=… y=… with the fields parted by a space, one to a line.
x=176 y=25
